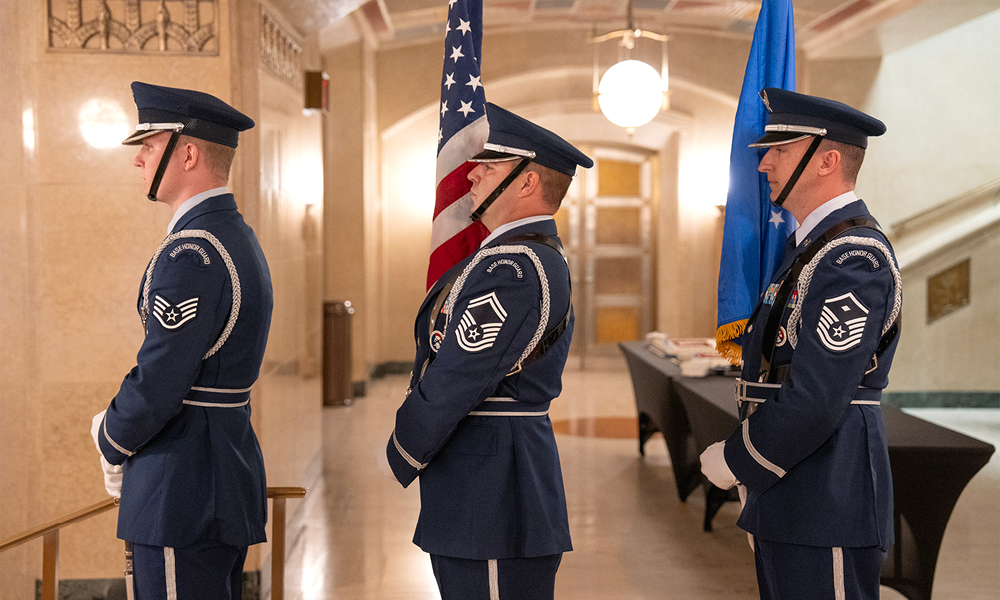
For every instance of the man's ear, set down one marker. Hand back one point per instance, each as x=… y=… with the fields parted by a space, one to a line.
x=830 y=162
x=532 y=181
x=192 y=156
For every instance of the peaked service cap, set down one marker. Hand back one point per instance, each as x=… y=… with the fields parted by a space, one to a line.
x=513 y=137
x=795 y=116
x=193 y=113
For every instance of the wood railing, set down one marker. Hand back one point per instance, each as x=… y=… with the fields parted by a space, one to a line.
x=49 y=532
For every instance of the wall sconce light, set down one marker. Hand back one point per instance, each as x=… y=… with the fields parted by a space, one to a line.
x=631 y=92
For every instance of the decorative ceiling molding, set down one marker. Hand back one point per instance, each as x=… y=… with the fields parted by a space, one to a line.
x=134 y=26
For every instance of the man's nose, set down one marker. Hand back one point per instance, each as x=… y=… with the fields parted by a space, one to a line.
x=765 y=163
x=474 y=174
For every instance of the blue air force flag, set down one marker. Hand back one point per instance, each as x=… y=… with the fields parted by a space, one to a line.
x=842 y=322
x=480 y=323
x=754 y=233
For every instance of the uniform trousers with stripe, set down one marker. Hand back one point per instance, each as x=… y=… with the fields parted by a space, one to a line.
x=501 y=579
x=206 y=570
x=793 y=572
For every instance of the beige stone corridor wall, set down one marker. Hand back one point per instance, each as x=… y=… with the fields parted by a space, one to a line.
x=75 y=235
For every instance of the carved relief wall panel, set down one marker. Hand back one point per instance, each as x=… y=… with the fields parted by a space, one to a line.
x=134 y=26
x=948 y=291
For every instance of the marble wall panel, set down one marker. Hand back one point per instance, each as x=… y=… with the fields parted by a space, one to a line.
x=287 y=396
x=75 y=236
x=960 y=351
x=344 y=201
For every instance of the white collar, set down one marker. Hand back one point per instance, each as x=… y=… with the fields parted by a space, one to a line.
x=821 y=212
x=508 y=226
x=194 y=201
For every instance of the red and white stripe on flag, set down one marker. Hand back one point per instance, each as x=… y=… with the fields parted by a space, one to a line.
x=463 y=131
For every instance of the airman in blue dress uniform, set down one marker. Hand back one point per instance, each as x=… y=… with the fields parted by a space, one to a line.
x=176 y=441
x=492 y=339
x=810 y=454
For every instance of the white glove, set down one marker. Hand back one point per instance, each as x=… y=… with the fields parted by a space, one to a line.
x=382 y=462
x=112 y=478
x=742 y=489
x=112 y=473
x=713 y=465
x=95 y=428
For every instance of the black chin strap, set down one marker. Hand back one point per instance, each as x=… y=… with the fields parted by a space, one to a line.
x=798 y=171
x=162 y=167
x=520 y=166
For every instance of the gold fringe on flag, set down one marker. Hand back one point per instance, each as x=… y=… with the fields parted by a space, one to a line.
x=724 y=343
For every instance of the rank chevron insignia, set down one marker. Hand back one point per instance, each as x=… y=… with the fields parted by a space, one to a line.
x=172 y=316
x=842 y=322
x=480 y=323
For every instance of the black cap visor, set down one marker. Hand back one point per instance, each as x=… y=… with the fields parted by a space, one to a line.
x=777 y=138
x=498 y=153
x=144 y=130
x=493 y=156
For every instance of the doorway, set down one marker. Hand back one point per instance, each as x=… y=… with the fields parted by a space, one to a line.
x=606 y=222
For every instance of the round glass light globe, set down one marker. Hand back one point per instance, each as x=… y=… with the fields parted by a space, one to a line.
x=630 y=93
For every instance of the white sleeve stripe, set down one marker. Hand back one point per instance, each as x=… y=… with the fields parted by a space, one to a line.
x=114 y=443
x=770 y=466
x=413 y=462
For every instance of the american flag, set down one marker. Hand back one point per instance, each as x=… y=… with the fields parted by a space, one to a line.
x=462 y=133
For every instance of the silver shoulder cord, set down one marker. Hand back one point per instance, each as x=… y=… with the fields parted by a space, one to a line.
x=543 y=319
x=233 y=276
x=795 y=320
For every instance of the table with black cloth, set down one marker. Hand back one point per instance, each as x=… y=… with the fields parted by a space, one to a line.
x=931 y=465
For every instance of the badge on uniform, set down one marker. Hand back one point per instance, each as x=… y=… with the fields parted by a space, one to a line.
x=772 y=291
x=172 y=316
x=436 y=339
x=842 y=322
x=480 y=323
x=793 y=298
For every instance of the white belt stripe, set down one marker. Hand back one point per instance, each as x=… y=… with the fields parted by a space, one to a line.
x=838 y=574
x=170 y=572
x=762 y=401
x=217 y=404
x=413 y=462
x=494 y=580
x=219 y=390
x=756 y=455
x=500 y=413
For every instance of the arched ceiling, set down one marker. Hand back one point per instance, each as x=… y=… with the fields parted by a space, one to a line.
x=823 y=27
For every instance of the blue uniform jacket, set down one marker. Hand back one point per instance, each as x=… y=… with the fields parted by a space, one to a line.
x=180 y=423
x=490 y=482
x=814 y=456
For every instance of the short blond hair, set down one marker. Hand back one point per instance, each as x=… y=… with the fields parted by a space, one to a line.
x=218 y=157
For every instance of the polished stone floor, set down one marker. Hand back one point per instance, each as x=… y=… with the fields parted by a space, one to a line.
x=633 y=538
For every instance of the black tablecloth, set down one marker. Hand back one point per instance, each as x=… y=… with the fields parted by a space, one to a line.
x=931 y=465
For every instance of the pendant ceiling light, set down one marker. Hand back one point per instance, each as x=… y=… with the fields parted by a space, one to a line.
x=631 y=92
